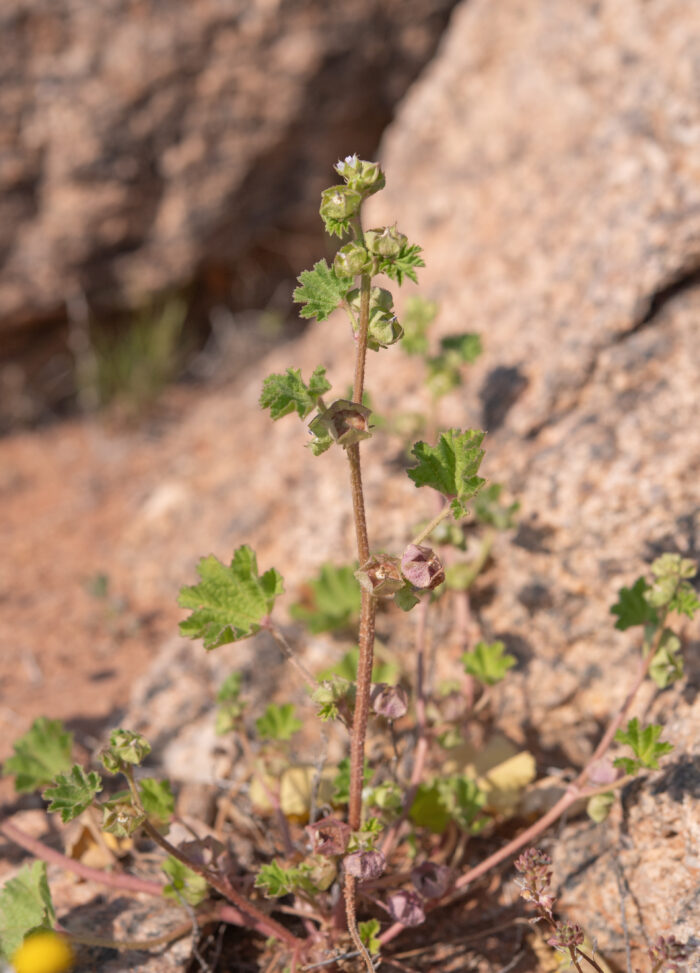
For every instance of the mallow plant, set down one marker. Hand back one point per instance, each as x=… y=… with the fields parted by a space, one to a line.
x=352 y=854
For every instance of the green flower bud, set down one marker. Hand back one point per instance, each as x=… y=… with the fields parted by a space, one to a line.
x=384 y=330
x=120 y=817
x=366 y=177
x=127 y=746
x=385 y=242
x=339 y=203
x=350 y=260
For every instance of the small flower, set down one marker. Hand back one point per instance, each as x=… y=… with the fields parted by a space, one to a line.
x=405 y=907
x=339 y=203
x=422 y=567
x=388 y=701
x=431 y=880
x=329 y=836
x=43 y=952
x=365 y=865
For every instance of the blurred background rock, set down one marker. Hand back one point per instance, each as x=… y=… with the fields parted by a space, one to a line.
x=163 y=158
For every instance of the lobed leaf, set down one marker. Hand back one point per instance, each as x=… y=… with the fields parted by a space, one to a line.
x=632 y=607
x=43 y=752
x=72 y=793
x=25 y=906
x=278 y=722
x=451 y=466
x=230 y=603
x=321 y=291
x=334 y=602
x=184 y=883
x=282 y=394
x=488 y=663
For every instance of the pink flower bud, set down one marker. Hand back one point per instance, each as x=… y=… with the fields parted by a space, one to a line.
x=388 y=701
x=431 y=880
x=329 y=836
x=405 y=907
x=365 y=865
x=421 y=566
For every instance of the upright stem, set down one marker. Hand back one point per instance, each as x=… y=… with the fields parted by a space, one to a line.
x=367 y=619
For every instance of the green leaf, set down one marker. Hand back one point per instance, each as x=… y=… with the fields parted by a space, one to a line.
x=463 y=800
x=282 y=394
x=428 y=810
x=632 y=607
x=72 y=793
x=489 y=510
x=276 y=881
x=369 y=934
x=341 y=784
x=231 y=602
x=645 y=747
x=465 y=347
x=404 y=265
x=184 y=883
x=230 y=688
x=451 y=466
x=382 y=670
x=418 y=315
x=158 y=800
x=278 y=722
x=25 y=906
x=42 y=753
x=405 y=598
x=671 y=590
x=321 y=291
x=488 y=663
x=330 y=693
x=334 y=601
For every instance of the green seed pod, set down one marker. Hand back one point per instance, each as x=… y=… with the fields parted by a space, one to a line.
x=350 y=260
x=386 y=241
x=346 y=422
x=339 y=203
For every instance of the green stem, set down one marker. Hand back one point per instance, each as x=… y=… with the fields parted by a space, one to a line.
x=445 y=512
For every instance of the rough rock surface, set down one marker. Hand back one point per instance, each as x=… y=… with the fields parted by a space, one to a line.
x=144 y=142
x=548 y=163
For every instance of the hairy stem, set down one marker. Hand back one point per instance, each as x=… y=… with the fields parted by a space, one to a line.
x=367 y=620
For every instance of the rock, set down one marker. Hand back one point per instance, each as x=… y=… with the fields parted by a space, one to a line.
x=548 y=163
x=141 y=150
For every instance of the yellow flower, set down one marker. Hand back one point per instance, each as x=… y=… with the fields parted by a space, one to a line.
x=43 y=952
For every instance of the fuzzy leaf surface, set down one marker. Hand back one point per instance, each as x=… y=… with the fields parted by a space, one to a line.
x=644 y=744
x=73 y=792
x=40 y=755
x=282 y=394
x=335 y=600
x=321 y=291
x=488 y=663
x=632 y=607
x=25 y=905
x=278 y=722
x=158 y=799
x=230 y=602
x=404 y=265
x=184 y=883
x=451 y=466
